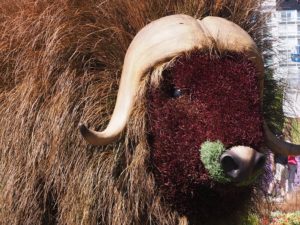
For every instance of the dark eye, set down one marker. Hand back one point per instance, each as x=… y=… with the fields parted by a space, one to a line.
x=176 y=93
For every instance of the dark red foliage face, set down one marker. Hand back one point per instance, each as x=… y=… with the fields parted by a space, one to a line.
x=202 y=98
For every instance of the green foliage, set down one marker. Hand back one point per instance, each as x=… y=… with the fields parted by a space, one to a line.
x=295 y=131
x=210 y=156
x=279 y=218
x=251 y=219
x=272 y=102
x=276 y=218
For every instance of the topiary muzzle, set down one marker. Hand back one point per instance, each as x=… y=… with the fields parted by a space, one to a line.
x=238 y=164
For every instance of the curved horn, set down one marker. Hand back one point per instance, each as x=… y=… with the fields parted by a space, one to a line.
x=230 y=37
x=279 y=146
x=158 y=41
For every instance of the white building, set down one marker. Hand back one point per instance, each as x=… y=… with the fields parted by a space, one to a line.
x=285 y=32
x=284 y=26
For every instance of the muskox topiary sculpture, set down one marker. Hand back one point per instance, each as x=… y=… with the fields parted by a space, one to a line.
x=184 y=144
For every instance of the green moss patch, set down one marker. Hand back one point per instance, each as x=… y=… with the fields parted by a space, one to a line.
x=210 y=156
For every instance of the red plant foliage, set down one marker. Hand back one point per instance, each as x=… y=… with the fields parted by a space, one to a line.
x=220 y=101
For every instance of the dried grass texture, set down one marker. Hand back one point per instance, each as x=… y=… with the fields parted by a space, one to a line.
x=290 y=204
x=60 y=63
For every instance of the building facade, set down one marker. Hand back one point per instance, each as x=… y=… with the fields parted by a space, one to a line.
x=285 y=31
x=284 y=26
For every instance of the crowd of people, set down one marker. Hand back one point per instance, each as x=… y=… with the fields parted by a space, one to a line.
x=284 y=169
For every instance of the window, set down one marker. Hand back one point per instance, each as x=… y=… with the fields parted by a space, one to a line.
x=283 y=15
x=287 y=16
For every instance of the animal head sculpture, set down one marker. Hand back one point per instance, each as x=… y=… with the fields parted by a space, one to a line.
x=205 y=81
x=193 y=92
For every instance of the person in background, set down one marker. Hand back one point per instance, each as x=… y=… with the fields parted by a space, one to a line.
x=280 y=177
x=292 y=170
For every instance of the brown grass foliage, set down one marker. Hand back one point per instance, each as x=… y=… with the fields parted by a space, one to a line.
x=290 y=204
x=60 y=63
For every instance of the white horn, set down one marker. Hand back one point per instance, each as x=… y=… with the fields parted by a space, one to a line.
x=157 y=42
x=279 y=146
x=230 y=37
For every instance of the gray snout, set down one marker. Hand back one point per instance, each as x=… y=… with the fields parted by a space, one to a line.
x=240 y=163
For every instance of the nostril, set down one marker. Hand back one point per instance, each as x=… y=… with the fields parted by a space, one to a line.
x=241 y=163
x=228 y=164
x=260 y=161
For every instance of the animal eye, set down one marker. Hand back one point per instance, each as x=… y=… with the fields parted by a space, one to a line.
x=176 y=93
